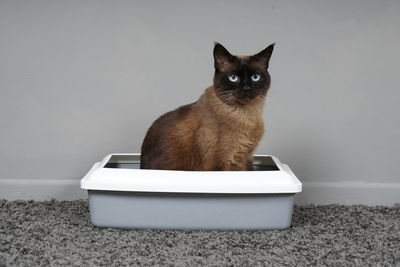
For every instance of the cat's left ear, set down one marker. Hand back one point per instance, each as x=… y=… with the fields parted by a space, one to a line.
x=264 y=55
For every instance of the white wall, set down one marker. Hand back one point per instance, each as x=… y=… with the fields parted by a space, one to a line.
x=81 y=79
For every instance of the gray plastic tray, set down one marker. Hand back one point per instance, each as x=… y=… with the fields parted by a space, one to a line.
x=190 y=210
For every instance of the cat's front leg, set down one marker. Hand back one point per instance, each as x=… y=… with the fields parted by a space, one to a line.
x=249 y=164
x=227 y=165
x=242 y=166
x=238 y=163
x=243 y=163
x=246 y=166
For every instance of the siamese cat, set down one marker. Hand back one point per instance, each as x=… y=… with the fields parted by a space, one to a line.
x=220 y=131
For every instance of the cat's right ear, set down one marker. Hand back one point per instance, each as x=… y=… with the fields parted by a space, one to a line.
x=222 y=58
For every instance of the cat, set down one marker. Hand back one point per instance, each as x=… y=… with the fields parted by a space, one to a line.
x=220 y=131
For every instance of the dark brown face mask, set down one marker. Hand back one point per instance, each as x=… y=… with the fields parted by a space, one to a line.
x=241 y=77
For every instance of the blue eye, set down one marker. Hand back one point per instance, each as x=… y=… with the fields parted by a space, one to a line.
x=255 y=77
x=233 y=78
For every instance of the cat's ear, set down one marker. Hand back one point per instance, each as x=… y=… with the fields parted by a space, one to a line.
x=222 y=58
x=264 y=55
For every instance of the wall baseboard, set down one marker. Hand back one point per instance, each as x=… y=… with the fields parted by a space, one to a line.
x=317 y=193
x=349 y=193
x=41 y=189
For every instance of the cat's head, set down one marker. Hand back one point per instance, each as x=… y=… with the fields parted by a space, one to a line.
x=239 y=79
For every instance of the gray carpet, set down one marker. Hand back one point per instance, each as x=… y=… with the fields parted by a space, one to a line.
x=58 y=233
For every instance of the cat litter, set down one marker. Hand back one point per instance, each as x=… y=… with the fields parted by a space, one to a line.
x=122 y=195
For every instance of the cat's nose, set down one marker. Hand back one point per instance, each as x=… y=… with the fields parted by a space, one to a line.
x=246 y=87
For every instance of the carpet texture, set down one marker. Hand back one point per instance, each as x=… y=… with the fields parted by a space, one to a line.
x=58 y=233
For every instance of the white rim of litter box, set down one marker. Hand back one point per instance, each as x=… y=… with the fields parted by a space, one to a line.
x=170 y=181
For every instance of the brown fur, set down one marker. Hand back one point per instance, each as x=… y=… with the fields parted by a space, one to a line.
x=217 y=132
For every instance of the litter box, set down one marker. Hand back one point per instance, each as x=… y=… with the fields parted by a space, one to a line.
x=122 y=195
